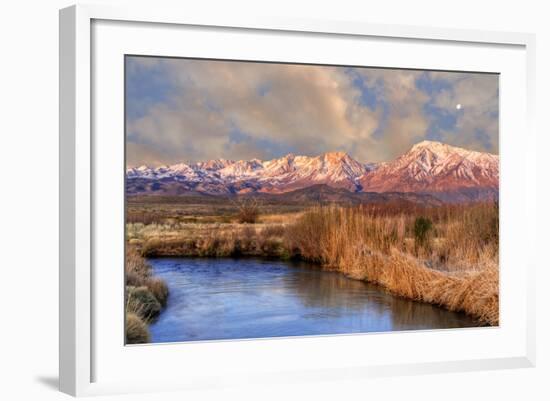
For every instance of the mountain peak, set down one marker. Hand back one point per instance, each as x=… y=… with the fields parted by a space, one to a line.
x=335 y=155
x=431 y=145
x=431 y=166
x=443 y=149
x=180 y=167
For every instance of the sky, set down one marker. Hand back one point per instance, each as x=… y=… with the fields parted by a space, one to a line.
x=188 y=110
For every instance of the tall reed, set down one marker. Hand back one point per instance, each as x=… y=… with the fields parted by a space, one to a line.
x=457 y=267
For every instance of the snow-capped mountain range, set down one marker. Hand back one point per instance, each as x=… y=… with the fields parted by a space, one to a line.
x=447 y=172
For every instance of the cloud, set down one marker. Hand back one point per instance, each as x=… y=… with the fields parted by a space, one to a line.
x=199 y=109
x=398 y=94
x=309 y=109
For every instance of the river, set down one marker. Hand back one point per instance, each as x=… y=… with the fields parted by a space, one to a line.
x=215 y=299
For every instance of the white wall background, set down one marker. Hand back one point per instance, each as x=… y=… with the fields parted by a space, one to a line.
x=29 y=200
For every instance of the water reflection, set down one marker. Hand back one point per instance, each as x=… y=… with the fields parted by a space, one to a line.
x=250 y=298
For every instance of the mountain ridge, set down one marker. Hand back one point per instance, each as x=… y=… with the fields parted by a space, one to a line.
x=429 y=167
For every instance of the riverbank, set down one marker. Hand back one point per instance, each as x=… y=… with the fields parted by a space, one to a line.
x=146 y=296
x=447 y=256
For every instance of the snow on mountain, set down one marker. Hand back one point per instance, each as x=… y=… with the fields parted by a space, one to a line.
x=140 y=172
x=242 y=169
x=213 y=165
x=435 y=167
x=290 y=172
x=428 y=167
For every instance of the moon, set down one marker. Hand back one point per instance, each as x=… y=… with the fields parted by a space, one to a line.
x=458 y=106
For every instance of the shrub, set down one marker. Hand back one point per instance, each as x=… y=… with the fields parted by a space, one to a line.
x=136 y=330
x=137 y=268
x=159 y=289
x=422 y=228
x=141 y=301
x=134 y=280
x=248 y=210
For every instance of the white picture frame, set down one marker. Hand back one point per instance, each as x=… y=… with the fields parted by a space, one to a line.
x=82 y=166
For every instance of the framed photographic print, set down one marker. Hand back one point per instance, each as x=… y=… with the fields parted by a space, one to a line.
x=279 y=200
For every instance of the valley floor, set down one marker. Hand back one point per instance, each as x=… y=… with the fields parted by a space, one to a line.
x=446 y=255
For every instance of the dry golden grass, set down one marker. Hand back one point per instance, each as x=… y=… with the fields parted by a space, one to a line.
x=379 y=249
x=216 y=241
x=142 y=302
x=159 y=289
x=279 y=218
x=137 y=331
